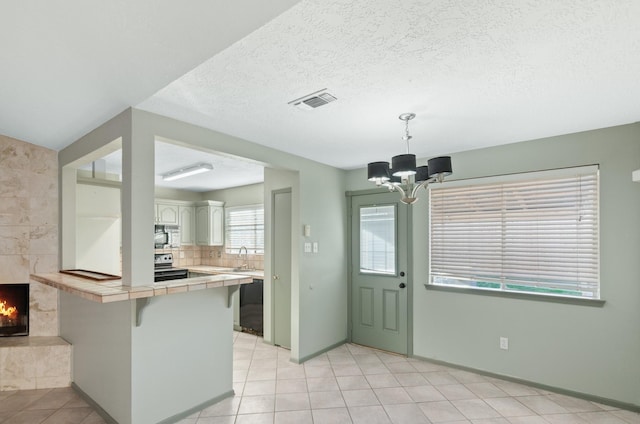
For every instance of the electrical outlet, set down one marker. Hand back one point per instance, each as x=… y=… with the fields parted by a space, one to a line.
x=504 y=343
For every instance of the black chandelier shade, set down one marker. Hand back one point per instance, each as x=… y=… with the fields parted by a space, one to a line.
x=422 y=174
x=403 y=165
x=436 y=166
x=378 y=171
x=395 y=180
x=440 y=166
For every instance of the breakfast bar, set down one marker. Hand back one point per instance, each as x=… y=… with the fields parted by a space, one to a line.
x=135 y=370
x=114 y=291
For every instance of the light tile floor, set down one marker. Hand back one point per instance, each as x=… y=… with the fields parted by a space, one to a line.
x=46 y=406
x=355 y=384
x=349 y=384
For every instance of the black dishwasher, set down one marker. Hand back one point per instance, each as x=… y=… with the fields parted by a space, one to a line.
x=251 y=300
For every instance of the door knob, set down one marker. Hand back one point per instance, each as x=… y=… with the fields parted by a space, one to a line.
x=402 y=285
x=275 y=277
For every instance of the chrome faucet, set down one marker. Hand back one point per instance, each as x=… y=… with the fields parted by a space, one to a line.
x=246 y=256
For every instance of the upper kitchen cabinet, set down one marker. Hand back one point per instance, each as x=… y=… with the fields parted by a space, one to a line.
x=167 y=214
x=187 y=225
x=210 y=223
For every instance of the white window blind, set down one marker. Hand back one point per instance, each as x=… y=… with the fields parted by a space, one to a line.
x=378 y=239
x=244 y=226
x=537 y=234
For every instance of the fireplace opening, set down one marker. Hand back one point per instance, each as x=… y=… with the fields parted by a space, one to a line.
x=14 y=310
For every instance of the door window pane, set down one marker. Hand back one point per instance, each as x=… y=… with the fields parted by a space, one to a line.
x=378 y=239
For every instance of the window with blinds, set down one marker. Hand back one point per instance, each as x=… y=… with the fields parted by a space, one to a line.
x=244 y=226
x=534 y=233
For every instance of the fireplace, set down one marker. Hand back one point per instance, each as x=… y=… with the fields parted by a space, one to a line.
x=14 y=310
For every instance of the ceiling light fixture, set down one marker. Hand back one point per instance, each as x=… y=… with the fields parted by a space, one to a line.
x=187 y=171
x=403 y=176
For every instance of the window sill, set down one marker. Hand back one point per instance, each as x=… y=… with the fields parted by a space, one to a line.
x=523 y=296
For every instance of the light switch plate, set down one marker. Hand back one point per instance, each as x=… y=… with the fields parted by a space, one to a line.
x=504 y=343
x=315 y=247
x=307 y=247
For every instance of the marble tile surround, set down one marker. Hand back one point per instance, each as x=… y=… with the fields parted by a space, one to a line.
x=29 y=244
x=28 y=363
x=29 y=226
x=28 y=210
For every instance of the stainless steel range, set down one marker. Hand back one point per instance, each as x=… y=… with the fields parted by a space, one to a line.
x=164 y=270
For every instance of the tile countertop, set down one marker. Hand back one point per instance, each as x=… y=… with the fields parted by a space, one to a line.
x=114 y=291
x=213 y=270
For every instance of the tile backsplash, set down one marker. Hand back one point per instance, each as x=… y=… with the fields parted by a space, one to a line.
x=187 y=255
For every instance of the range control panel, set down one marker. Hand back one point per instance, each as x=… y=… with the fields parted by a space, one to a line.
x=163 y=258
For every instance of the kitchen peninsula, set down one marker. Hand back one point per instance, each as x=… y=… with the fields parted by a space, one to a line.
x=149 y=353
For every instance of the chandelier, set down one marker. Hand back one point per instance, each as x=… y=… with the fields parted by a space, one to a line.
x=403 y=176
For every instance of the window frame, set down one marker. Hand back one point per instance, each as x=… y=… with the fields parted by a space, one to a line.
x=507 y=179
x=374 y=272
x=251 y=250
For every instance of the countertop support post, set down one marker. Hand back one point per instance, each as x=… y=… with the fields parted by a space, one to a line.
x=230 y=292
x=141 y=303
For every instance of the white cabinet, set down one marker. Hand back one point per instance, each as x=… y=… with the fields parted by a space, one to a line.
x=187 y=224
x=167 y=214
x=210 y=223
x=201 y=223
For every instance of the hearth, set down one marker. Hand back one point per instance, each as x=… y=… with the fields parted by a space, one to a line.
x=14 y=310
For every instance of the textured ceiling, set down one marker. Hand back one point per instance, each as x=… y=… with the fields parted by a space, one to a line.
x=475 y=73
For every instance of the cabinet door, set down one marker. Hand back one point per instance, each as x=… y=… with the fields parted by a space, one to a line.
x=168 y=214
x=217 y=226
x=202 y=225
x=187 y=224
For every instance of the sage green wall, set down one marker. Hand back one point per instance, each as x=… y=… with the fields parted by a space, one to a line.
x=252 y=194
x=101 y=337
x=175 y=194
x=323 y=280
x=181 y=354
x=321 y=203
x=585 y=349
x=177 y=359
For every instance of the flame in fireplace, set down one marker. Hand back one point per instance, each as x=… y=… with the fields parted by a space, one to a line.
x=11 y=311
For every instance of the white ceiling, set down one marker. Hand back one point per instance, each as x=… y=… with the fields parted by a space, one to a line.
x=70 y=65
x=475 y=73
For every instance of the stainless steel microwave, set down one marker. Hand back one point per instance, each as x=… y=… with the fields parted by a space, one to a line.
x=166 y=236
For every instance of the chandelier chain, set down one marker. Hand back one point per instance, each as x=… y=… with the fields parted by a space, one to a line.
x=406 y=117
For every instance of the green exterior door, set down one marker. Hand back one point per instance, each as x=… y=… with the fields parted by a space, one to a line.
x=379 y=272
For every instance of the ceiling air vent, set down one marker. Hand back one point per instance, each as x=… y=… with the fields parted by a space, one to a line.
x=313 y=100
